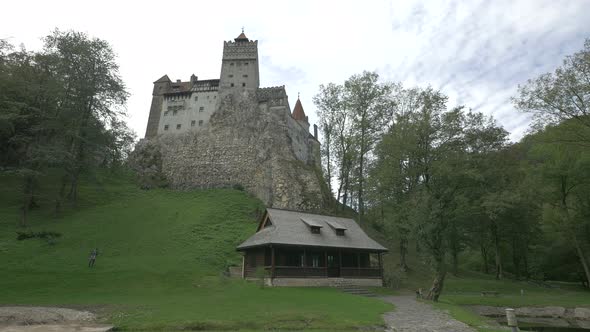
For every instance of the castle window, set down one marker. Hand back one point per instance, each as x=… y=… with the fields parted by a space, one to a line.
x=200 y=123
x=230 y=76
x=214 y=97
x=192 y=123
x=245 y=63
x=208 y=97
x=231 y=64
x=165 y=127
x=178 y=126
x=201 y=109
x=244 y=75
x=196 y=98
x=166 y=113
x=231 y=85
x=243 y=84
x=174 y=112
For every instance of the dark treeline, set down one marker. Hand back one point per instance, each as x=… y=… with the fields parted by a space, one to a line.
x=449 y=179
x=61 y=108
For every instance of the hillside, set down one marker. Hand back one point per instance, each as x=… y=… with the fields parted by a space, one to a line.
x=160 y=265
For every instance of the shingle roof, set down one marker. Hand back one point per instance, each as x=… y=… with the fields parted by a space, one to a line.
x=288 y=228
x=298 y=113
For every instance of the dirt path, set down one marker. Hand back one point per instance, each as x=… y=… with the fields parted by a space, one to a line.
x=48 y=319
x=413 y=316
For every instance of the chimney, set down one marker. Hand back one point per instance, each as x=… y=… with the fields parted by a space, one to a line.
x=315 y=131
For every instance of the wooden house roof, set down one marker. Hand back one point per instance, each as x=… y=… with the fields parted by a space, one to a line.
x=283 y=227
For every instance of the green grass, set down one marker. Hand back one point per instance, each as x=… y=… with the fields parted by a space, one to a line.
x=161 y=257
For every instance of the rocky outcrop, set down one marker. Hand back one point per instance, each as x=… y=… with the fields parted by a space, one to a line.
x=247 y=144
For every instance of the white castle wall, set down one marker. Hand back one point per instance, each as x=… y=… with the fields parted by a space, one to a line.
x=190 y=110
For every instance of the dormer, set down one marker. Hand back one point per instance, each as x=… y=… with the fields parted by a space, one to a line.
x=339 y=229
x=314 y=226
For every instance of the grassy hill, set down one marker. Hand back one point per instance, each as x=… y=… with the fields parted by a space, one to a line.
x=160 y=266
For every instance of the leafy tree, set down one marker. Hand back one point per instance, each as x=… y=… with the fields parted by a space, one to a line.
x=556 y=98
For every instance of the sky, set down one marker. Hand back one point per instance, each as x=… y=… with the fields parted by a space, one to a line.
x=476 y=51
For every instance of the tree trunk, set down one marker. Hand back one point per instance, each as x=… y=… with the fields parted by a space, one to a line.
x=498 y=260
x=484 y=256
x=582 y=257
x=438 y=283
x=403 y=250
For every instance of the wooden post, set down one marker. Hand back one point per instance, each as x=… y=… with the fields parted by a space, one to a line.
x=511 y=319
x=243 y=265
x=380 y=265
x=304 y=263
x=358 y=264
x=340 y=263
x=326 y=260
x=272 y=261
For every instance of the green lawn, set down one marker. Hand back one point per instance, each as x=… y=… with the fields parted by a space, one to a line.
x=161 y=257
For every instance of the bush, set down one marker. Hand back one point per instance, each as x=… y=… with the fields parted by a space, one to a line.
x=239 y=187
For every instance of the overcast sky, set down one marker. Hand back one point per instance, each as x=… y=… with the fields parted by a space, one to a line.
x=477 y=52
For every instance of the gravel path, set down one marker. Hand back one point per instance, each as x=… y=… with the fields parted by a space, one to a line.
x=48 y=319
x=413 y=316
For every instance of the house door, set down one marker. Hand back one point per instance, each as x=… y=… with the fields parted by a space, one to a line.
x=333 y=265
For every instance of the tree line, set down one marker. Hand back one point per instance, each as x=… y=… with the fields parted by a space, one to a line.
x=449 y=179
x=61 y=109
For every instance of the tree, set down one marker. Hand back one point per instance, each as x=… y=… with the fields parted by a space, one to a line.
x=332 y=118
x=370 y=106
x=564 y=182
x=91 y=100
x=561 y=96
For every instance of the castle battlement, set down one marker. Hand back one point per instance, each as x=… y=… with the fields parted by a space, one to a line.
x=274 y=92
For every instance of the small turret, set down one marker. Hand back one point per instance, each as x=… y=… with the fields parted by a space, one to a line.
x=299 y=115
x=239 y=66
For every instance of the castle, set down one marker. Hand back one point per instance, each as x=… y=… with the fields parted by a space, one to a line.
x=230 y=132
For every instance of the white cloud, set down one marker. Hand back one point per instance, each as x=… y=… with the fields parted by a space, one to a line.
x=476 y=51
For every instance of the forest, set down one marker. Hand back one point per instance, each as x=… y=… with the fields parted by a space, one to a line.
x=448 y=179
x=61 y=110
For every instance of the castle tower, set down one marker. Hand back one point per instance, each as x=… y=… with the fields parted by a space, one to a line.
x=160 y=87
x=299 y=115
x=239 y=66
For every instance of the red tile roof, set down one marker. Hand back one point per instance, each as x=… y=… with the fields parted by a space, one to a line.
x=298 y=113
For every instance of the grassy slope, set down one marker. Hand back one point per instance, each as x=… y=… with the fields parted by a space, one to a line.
x=162 y=253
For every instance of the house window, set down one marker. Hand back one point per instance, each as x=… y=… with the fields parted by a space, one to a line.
x=201 y=109
x=165 y=127
x=200 y=123
x=315 y=230
x=178 y=126
x=340 y=232
x=193 y=123
x=315 y=260
x=243 y=84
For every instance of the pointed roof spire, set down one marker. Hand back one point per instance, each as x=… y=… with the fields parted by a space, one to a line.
x=242 y=36
x=298 y=113
x=163 y=79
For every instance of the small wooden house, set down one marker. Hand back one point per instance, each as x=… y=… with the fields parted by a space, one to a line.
x=301 y=249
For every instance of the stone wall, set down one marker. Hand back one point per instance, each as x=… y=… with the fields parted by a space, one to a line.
x=246 y=143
